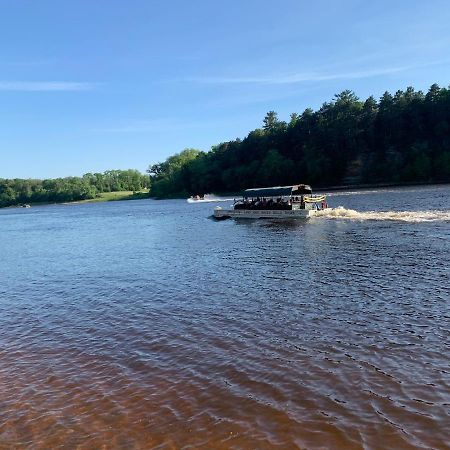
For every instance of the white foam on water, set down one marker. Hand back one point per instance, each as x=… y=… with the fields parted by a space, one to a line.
x=401 y=216
x=208 y=198
x=362 y=192
x=386 y=190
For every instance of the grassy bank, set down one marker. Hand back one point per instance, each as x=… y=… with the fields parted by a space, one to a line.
x=103 y=197
x=118 y=195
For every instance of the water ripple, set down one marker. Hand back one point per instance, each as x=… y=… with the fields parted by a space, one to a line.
x=146 y=325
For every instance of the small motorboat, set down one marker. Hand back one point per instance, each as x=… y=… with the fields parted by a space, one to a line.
x=196 y=198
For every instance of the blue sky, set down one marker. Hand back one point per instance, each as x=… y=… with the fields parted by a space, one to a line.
x=87 y=86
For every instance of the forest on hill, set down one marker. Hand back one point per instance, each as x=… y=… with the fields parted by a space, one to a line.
x=20 y=191
x=401 y=138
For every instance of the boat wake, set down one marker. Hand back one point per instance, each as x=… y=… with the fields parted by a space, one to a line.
x=209 y=198
x=400 y=216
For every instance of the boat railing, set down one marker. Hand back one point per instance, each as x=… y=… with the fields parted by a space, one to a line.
x=315 y=198
x=285 y=202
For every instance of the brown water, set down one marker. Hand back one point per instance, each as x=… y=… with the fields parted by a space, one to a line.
x=147 y=325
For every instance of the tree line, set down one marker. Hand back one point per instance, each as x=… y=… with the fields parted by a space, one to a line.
x=400 y=138
x=19 y=191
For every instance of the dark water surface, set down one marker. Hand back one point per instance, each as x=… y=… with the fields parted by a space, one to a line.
x=146 y=324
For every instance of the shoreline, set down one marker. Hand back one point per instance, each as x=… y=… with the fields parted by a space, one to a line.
x=337 y=188
x=129 y=195
x=345 y=187
x=114 y=196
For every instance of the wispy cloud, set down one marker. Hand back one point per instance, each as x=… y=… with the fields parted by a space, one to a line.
x=293 y=78
x=41 y=86
x=301 y=77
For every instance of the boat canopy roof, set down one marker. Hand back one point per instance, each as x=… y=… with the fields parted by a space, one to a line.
x=278 y=191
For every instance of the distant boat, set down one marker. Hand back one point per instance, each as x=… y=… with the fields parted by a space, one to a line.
x=206 y=198
x=196 y=198
x=25 y=205
x=279 y=202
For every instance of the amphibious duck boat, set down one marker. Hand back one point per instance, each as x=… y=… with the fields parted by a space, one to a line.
x=280 y=202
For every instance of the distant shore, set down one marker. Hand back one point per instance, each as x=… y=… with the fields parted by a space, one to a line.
x=115 y=196
x=103 y=197
x=342 y=187
x=345 y=187
x=130 y=195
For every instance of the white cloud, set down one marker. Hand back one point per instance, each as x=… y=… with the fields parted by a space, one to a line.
x=44 y=86
x=299 y=77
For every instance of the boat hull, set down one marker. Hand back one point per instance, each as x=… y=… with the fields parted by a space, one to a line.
x=220 y=213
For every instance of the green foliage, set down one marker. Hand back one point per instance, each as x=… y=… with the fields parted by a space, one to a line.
x=89 y=186
x=173 y=177
x=271 y=121
x=401 y=138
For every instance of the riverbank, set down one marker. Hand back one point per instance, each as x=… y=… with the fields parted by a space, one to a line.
x=116 y=196
x=343 y=187
x=102 y=197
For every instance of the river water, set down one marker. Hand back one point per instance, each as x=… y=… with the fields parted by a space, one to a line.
x=145 y=324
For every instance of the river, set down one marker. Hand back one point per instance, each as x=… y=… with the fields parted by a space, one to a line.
x=146 y=324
